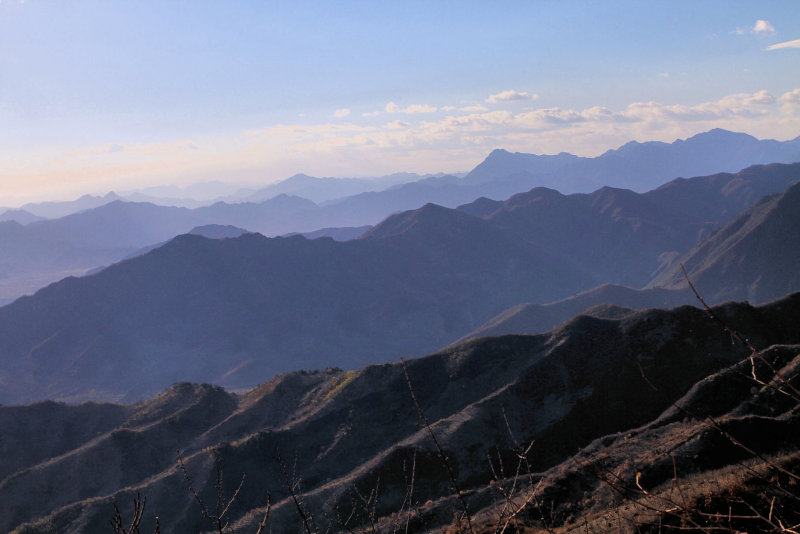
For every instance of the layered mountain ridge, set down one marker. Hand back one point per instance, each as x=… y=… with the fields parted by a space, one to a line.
x=93 y=232
x=588 y=384
x=638 y=166
x=236 y=311
x=232 y=309
x=549 y=348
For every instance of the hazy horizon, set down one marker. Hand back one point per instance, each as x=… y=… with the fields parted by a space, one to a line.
x=128 y=96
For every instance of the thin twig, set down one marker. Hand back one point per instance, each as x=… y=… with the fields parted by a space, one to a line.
x=440 y=451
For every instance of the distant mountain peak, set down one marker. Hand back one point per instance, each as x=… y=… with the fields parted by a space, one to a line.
x=428 y=218
x=636 y=165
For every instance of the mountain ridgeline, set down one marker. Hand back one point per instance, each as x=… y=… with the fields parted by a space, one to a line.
x=637 y=166
x=230 y=310
x=94 y=231
x=236 y=311
x=514 y=322
x=588 y=384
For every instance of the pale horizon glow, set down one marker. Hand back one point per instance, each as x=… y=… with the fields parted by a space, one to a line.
x=122 y=97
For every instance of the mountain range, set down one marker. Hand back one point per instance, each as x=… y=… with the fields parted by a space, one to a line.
x=752 y=258
x=229 y=310
x=624 y=237
x=238 y=310
x=755 y=257
x=637 y=166
x=512 y=357
x=658 y=398
x=46 y=251
x=107 y=229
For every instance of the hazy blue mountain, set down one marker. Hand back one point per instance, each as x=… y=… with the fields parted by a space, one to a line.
x=33 y=256
x=607 y=301
x=755 y=257
x=502 y=164
x=200 y=191
x=636 y=166
x=312 y=188
x=373 y=207
x=53 y=210
x=617 y=235
x=718 y=198
x=580 y=226
x=315 y=189
x=211 y=231
x=275 y=216
x=218 y=231
x=625 y=237
x=164 y=201
x=574 y=225
x=338 y=234
x=49 y=250
x=581 y=395
x=321 y=190
x=18 y=215
x=236 y=311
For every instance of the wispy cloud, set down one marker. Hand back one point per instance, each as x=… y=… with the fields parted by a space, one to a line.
x=511 y=96
x=344 y=112
x=785 y=44
x=457 y=139
x=473 y=109
x=391 y=107
x=481 y=129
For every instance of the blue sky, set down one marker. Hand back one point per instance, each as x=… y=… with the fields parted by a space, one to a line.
x=100 y=95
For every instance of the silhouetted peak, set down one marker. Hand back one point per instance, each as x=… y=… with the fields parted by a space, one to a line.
x=498 y=153
x=719 y=134
x=428 y=220
x=300 y=178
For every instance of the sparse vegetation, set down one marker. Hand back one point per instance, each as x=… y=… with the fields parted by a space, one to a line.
x=638 y=481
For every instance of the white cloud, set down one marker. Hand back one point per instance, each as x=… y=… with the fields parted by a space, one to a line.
x=763 y=26
x=471 y=134
x=511 y=96
x=344 y=112
x=420 y=108
x=664 y=74
x=790 y=102
x=473 y=109
x=792 y=97
x=481 y=128
x=785 y=44
x=458 y=139
x=391 y=107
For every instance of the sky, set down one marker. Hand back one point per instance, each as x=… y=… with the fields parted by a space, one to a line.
x=100 y=95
